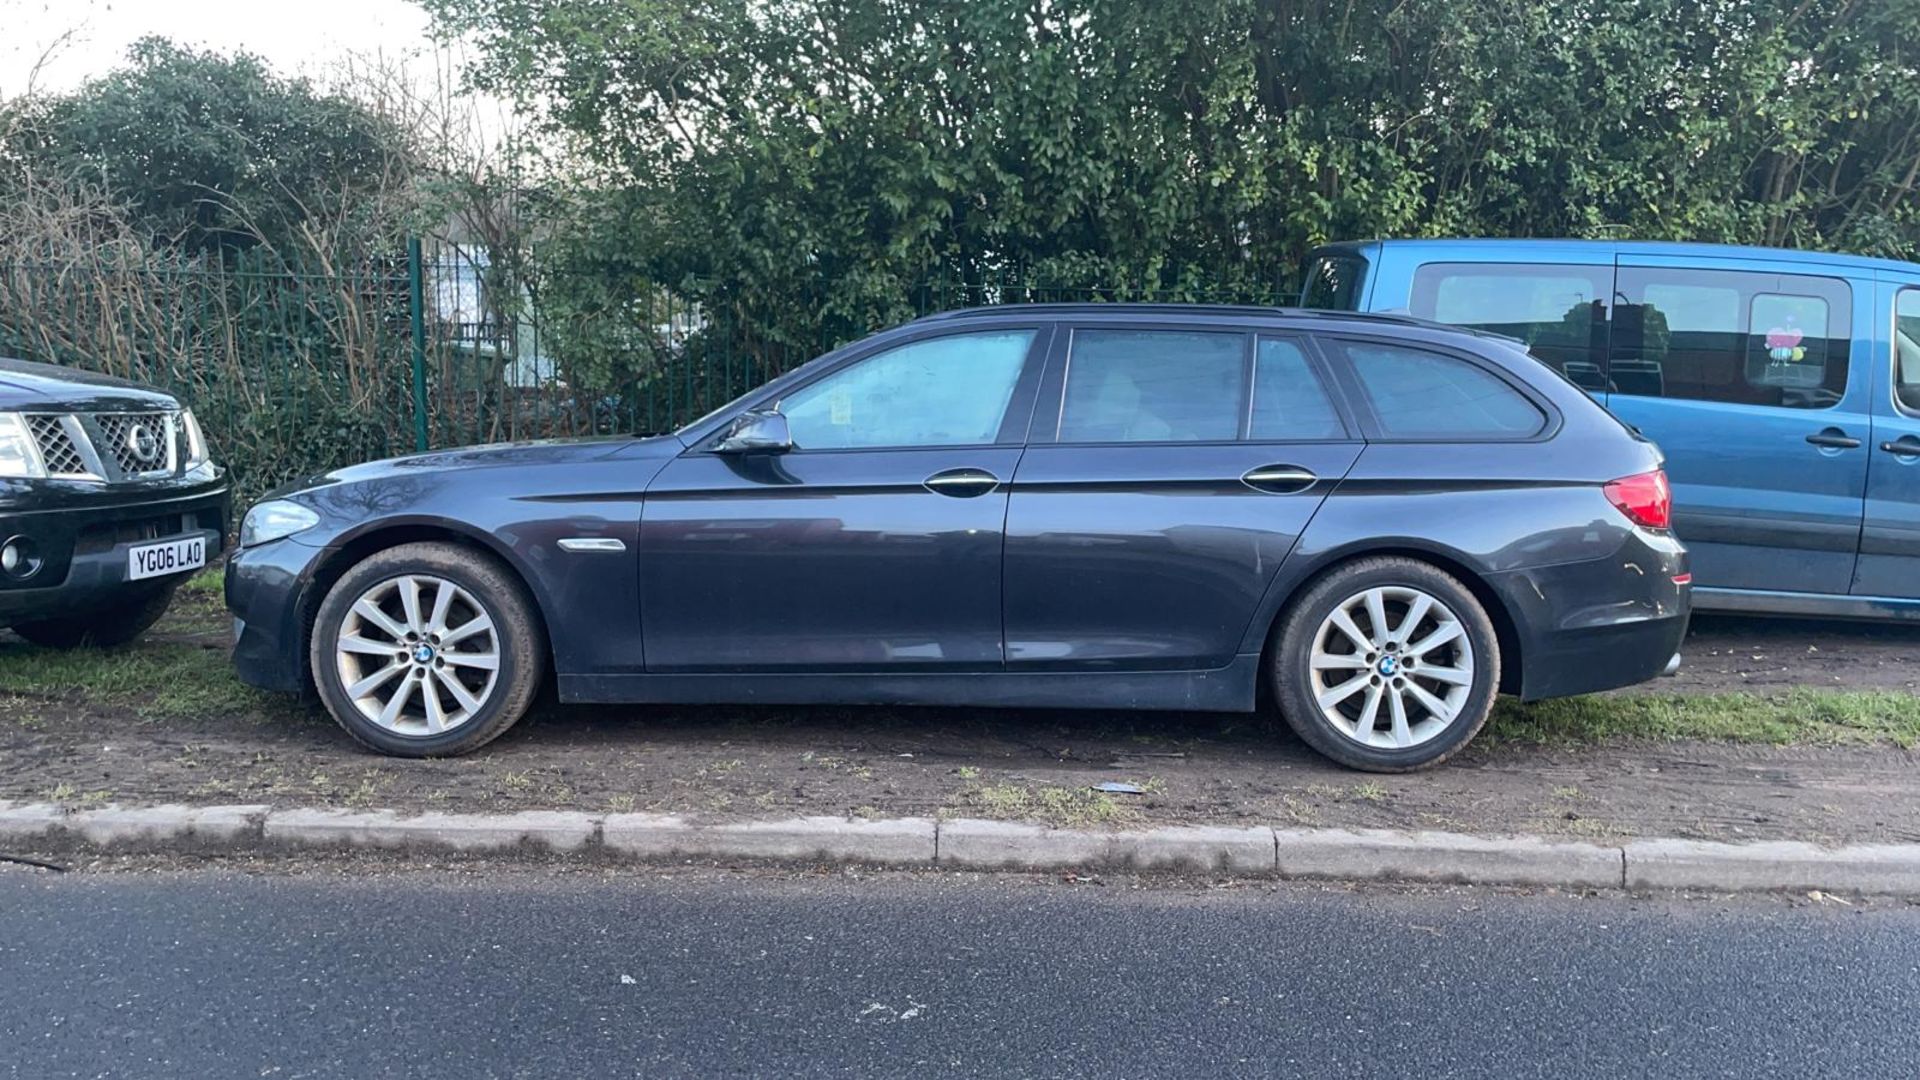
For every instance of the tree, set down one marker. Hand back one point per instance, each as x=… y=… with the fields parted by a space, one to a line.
x=216 y=153
x=843 y=151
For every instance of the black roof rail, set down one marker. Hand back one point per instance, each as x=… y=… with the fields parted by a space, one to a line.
x=1397 y=318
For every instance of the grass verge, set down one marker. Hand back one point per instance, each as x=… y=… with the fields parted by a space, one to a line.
x=158 y=680
x=1796 y=717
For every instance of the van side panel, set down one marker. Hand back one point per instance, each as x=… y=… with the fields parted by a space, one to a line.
x=1768 y=457
x=1765 y=510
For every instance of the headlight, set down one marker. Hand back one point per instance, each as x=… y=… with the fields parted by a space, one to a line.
x=19 y=455
x=275 y=520
x=196 y=441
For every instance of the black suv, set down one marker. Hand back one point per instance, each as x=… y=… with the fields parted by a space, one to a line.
x=107 y=502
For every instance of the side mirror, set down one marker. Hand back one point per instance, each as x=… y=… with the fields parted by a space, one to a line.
x=756 y=433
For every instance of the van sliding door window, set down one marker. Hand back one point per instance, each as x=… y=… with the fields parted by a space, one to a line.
x=1740 y=338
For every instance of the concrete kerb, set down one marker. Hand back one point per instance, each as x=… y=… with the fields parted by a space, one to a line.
x=888 y=840
x=1446 y=857
x=1872 y=869
x=1362 y=854
x=170 y=828
x=553 y=830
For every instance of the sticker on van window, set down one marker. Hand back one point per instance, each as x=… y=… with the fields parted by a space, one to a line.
x=1793 y=324
x=1783 y=343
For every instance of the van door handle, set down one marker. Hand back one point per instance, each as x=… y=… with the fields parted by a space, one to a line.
x=1279 y=479
x=1833 y=439
x=962 y=483
x=1905 y=446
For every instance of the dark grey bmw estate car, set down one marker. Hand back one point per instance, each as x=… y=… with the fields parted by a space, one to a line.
x=1378 y=521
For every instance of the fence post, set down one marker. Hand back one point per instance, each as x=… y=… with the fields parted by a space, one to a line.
x=416 y=301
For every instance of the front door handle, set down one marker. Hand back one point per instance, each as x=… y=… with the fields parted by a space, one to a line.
x=1833 y=439
x=1279 y=479
x=962 y=483
x=1905 y=446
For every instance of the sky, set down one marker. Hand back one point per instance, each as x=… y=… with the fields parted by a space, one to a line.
x=292 y=35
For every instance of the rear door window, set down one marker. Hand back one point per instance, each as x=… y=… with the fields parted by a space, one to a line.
x=1154 y=386
x=1731 y=336
x=1419 y=394
x=1290 y=403
x=1558 y=311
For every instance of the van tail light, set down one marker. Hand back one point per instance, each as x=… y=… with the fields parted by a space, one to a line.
x=1645 y=498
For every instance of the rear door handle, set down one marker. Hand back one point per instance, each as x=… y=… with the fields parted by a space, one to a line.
x=1833 y=439
x=1279 y=479
x=1905 y=446
x=962 y=483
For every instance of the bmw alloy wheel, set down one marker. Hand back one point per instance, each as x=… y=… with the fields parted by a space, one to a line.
x=1391 y=667
x=418 y=655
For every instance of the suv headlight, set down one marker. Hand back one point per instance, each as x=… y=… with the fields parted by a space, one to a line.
x=196 y=441
x=19 y=454
x=274 y=520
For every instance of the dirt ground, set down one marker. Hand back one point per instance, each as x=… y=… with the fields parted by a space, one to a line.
x=1729 y=653
x=1039 y=765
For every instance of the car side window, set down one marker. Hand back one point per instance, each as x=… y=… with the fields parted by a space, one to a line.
x=1333 y=283
x=1290 y=403
x=1906 y=351
x=945 y=391
x=1154 y=386
x=1417 y=394
x=1560 y=312
x=1737 y=337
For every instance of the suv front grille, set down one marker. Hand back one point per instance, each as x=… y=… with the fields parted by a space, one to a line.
x=111 y=446
x=141 y=444
x=57 y=448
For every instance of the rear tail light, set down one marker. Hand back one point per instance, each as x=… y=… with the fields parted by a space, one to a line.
x=1645 y=498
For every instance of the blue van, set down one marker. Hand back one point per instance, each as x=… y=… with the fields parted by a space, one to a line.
x=1784 y=387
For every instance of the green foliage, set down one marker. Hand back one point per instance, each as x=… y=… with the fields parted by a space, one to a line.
x=806 y=164
x=209 y=151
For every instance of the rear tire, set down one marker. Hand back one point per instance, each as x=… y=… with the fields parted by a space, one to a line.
x=1386 y=664
x=116 y=624
x=427 y=650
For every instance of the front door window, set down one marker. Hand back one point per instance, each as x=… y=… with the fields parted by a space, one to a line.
x=945 y=391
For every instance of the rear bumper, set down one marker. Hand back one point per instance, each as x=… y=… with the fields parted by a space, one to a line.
x=1601 y=624
x=82 y=546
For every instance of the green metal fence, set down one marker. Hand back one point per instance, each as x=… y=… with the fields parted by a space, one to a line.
x=298 y=369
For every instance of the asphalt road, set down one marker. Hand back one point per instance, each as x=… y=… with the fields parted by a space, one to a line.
x=709 y=973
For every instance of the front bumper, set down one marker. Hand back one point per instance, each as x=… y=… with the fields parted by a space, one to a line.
x=267 y=589
x=82 y=539
x=1600 y=624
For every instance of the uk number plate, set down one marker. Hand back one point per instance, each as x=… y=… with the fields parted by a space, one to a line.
x=156 y=560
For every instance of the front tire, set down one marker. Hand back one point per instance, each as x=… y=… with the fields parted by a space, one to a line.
x=1387 y=665
x=427 y=650
x=116 y=624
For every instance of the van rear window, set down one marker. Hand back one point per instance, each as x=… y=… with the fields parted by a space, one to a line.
x=1333 y=283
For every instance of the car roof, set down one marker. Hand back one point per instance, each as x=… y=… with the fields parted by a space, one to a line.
x=1279 y=316
x=1539 y=248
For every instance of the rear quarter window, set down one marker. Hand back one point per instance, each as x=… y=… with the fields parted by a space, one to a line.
x=1416 y=393
x=1333 y=283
